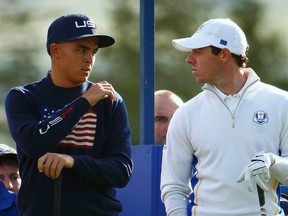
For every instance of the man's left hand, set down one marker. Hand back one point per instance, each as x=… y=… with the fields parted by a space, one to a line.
x=257 y=171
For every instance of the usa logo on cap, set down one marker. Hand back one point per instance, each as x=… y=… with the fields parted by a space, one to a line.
x=85 y=23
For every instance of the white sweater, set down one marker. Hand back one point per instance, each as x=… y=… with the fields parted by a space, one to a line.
x=224 y=142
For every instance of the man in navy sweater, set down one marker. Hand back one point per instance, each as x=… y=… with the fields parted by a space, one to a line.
x=67 y=126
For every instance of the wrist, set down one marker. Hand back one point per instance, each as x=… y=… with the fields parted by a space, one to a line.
x=271 y=159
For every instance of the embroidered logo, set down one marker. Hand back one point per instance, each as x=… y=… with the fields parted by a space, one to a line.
x=47 y=113
x=200 y=28
x=260 y=117
x=223 y=42
x=85 y=23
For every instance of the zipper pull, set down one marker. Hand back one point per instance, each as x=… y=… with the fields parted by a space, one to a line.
x=233 y=121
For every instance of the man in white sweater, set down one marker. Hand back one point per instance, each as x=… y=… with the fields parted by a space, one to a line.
x=235 y=132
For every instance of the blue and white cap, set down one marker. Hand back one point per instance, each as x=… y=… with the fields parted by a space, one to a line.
x=7 y=153
x=221 y=33
x=75 y=26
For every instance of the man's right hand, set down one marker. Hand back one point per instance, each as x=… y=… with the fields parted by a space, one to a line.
x=257 y=171
x=51 y=164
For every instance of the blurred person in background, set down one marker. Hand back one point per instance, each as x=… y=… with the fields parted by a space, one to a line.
x=166 y=103
x=9 y=181
x=9 y=170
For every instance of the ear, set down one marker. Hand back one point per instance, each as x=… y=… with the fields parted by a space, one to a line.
x=54 y=50
x=225 y=55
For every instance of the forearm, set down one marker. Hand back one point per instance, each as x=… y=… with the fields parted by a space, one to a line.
x=114 y=171
x=280 y=169
x=37 y=136
x=176 y=204
x=175 y=186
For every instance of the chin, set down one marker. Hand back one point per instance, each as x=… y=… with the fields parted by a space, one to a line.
x=199 y=80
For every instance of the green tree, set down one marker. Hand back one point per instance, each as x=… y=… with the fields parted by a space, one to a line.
x=17 y=62
x=122 y=68
x=20 y=50
x=120 y=64
x=180 y=19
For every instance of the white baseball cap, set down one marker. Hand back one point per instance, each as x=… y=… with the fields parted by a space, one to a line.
x=7 y=153
x=221 y=33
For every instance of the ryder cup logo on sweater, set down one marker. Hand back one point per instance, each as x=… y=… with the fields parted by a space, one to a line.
x=260 y=117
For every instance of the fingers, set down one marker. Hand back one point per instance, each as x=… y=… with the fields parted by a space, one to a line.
x=261 y=184
x=99 y=91
x=51 y=164
x=241 y=177
x=262 y=173
x=257 y=171
x=247 y=178
x=262 y=177
x=248 y=181
x=251 y=177
x=108 y=89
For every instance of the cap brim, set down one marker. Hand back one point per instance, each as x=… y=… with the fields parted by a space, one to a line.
x=104 y=40
x=189 y=43
x=9 y=156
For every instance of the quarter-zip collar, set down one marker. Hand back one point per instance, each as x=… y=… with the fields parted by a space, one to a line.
x=232 y=102
x=252 y=78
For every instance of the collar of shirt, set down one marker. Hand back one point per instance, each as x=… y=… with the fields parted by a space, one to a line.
x=251 y=78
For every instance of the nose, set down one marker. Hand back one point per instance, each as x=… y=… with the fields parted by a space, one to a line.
x=89 y=58
x=167 y=125
x=8 y=184
x=190 y=59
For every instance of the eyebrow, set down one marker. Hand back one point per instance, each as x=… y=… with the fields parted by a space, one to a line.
x=81 y=46
x=160 y=116
x=85 y=47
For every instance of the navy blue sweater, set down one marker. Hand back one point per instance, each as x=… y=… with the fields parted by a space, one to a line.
x=45 y=118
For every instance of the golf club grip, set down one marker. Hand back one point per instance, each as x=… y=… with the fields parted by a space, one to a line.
x=57 y=196
x=261 y=198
